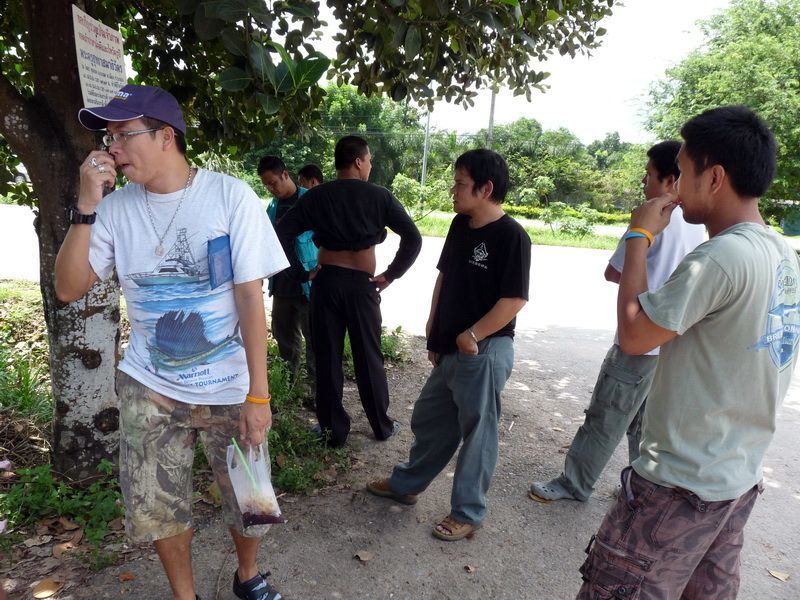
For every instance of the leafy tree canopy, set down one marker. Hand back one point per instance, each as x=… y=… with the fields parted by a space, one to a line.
x=750 y=57
x=248 y=70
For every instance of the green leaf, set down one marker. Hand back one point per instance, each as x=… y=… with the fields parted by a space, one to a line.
x=234 y=41
x=230 y=11
x=552 y=16
x=261 y=62
x=413 y=42
x=311 y=69
x=186 y=7
x=285 y=68
x=207 y=29
x=269 y=103
x=234 y=79
x=300 y=9
x=284 y=81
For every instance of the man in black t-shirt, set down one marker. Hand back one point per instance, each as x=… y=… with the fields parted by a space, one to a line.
x=349 y=217
x=484 y=270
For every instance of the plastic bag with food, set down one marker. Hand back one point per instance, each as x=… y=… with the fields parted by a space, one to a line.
x=250 y=474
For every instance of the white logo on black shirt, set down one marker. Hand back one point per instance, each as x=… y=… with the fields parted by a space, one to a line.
x=479 y=256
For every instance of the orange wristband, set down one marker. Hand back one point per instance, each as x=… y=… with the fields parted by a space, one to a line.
x=256 y=400
x=645 y=233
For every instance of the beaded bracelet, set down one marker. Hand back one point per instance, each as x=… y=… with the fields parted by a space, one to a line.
x=256 y=400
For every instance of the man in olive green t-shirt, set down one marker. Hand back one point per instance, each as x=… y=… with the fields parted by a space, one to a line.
x=727 y=321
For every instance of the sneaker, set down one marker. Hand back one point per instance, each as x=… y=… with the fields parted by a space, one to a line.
x=551 y=490
x=381 y=487
x=256 y=588
x=396 y=426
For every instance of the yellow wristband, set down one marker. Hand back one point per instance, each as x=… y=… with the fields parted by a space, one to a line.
x=256 y=400
x=644 y=232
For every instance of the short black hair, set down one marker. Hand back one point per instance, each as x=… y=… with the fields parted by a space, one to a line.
x=311 y=172
x=664 y=157
x=271 y=163
x=347 y=150
x=737 y=139
x=180 y=138
x=486 y=165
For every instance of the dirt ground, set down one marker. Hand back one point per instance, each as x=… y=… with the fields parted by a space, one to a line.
x=525 y=550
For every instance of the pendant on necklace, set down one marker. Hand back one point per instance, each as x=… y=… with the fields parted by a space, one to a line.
x=159 y=250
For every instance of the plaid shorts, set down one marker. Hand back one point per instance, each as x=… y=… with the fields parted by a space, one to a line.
x=156 y=453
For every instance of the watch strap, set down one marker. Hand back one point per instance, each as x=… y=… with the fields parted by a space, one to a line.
x=77 y=218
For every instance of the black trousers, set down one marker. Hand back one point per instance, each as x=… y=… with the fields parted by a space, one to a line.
x=344 y=299
x=291 y=322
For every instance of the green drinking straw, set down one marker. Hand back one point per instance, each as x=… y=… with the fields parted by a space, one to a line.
x=244 y=462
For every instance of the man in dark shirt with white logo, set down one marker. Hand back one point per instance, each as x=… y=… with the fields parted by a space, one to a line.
x=349 y=217
x=484 y=270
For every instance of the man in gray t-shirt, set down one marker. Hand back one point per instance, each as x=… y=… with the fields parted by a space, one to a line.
x=727 y=322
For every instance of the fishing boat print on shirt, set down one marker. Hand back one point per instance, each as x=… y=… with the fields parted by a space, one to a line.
x=186 y=332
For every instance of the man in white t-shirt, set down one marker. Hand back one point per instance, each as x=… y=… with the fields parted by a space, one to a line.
x=190 y=248
x=728 y=325
x=619 y=395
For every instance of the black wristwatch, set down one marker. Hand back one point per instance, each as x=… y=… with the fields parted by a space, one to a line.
x=76 y=218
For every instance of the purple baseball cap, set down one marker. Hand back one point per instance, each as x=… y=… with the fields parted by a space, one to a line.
x=134 y=102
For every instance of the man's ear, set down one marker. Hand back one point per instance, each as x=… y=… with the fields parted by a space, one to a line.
x=718 y=176
x=487 y=189
x=168 y=137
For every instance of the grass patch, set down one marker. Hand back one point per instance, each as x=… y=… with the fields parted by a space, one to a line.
x=24 y=373
x=39 y=494
x=436 y=226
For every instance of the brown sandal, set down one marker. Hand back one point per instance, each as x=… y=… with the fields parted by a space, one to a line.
x=450 y=530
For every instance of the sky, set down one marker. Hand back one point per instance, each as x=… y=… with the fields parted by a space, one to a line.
x=605 y=92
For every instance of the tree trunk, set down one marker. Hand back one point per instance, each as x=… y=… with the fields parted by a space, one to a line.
x=43 y=130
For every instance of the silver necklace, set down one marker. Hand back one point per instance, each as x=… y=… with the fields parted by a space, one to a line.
x=160 y=247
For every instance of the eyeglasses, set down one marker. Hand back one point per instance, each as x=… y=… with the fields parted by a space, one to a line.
x=110 y=138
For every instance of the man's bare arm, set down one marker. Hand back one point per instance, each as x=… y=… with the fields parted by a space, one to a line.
x=498 y=316
x=255 y=418
x=74 y=275
x=611 y=274
x=637 y=333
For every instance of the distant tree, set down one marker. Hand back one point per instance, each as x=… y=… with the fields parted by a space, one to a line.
x=751 y=56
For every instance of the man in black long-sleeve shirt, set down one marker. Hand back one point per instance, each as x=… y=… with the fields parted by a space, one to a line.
x=349 y=217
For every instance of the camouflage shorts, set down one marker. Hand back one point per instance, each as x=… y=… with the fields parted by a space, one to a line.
x=660 y=543
x=158 y=438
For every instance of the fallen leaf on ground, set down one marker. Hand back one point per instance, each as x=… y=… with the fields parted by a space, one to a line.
x=558 y=429
x=280 y=459
x=395 y=509
x=127 y=576
x=77 y=537
x=363 y=555
x=60 y=549
x=67 y=524
x=213 y=496
x=328 y=474
x=40 y=551
x=37 y=540
x=46 y=588
x=470 y=568
x=779 y=575
x=116 y=524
